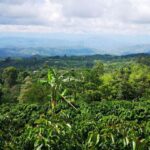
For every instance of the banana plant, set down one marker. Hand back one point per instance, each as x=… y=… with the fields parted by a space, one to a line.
x=55 y=82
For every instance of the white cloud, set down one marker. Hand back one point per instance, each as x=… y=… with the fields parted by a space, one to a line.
x=28 y=12
x=117 y=16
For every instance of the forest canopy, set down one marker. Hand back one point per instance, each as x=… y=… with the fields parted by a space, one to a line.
x=88 y=102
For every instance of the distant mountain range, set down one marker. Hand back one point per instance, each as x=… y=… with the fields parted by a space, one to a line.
x=76 y=51
x=25 y=52
x=52 y=46
x=144 y=48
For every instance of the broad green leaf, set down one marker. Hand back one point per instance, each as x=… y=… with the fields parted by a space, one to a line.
x=112 y=138
x=134 y=145
x=42 y=81
x=64 y=92
x=39 y=147
x=97 y=139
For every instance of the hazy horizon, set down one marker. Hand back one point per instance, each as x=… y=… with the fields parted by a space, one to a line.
x=113 y=26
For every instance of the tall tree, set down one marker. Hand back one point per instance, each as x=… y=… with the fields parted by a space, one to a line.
x=10 y=76
x=54 y=82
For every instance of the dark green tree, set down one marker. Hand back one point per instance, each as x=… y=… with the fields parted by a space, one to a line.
x=32 y=92
x=10 y=76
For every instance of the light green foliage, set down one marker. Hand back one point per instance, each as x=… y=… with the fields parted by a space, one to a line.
x=57 y=91
x=128 y=83
x=106 y=78
x=54 y=83
x=98 y=68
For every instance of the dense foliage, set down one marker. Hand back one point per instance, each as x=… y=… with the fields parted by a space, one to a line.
x=95 y=103
x=100 y=125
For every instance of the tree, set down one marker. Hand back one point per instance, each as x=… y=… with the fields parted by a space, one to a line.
x=10 y=76
x=96 y=72
x=54 y=82
x=140 y=80
x=98 y=68
x=1 y=94
x=32 y=92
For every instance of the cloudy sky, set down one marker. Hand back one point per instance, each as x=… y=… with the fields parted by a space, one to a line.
x=75 y=16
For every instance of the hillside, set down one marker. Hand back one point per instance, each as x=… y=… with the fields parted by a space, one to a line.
x=38 y=61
